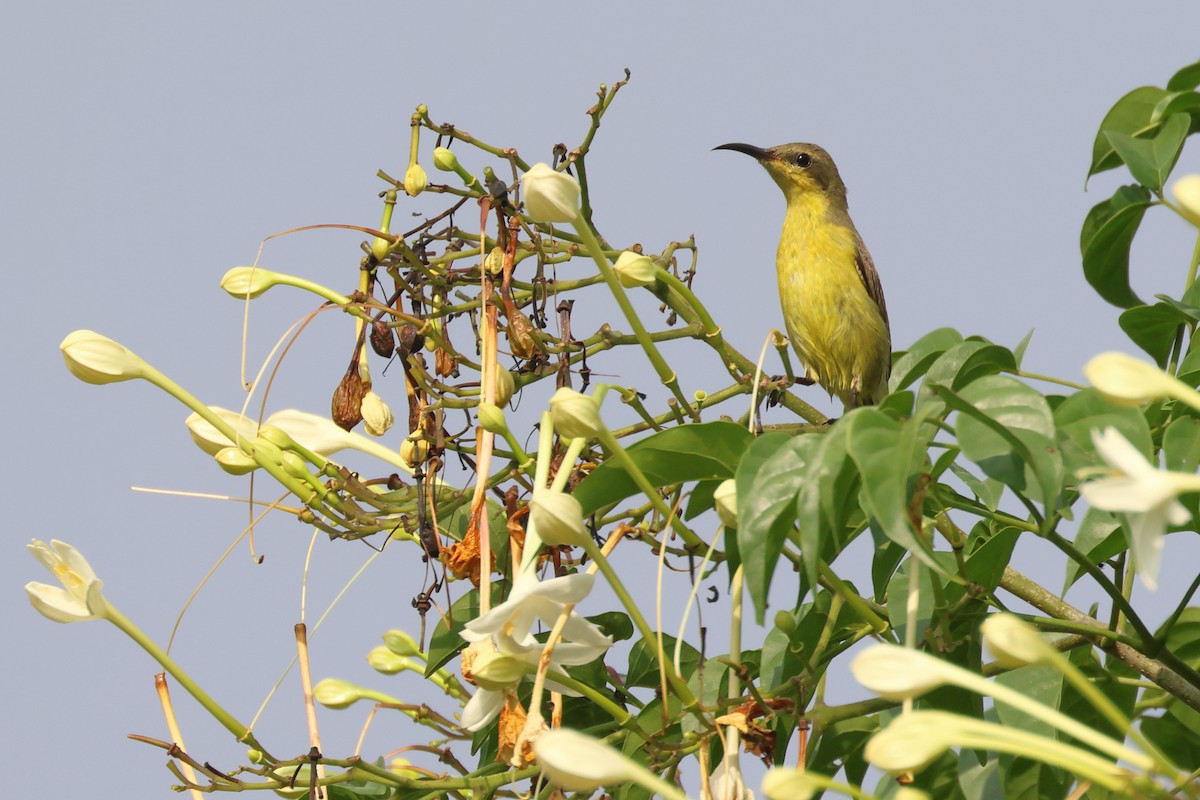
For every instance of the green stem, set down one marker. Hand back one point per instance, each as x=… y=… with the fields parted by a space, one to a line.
x=665 y=373
x=126 y=626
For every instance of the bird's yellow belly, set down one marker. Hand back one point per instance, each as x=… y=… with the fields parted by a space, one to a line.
x=835 y=327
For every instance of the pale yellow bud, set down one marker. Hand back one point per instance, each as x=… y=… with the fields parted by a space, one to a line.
x=494 y=263
x=491 y=418
x=444 y=160
x=415 y=180
x=234 y=461
x=415 y=449
x=253 y=281
x=635 y=269
x=377 y=416
x=336 y=693
x=97 y=359
x=401 y=643
x=1187 y=194
x=575 y=414
x=725 y=501
x=550 y=196
x=505 y=386
x=557 y=518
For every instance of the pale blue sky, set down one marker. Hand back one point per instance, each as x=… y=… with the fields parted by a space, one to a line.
x=150 y=147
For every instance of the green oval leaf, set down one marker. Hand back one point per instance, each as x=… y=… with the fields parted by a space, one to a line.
x=1132 y=115
x=1105 y=239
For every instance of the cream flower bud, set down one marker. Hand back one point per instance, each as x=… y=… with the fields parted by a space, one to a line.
x=550 y=196
x=579 y=763
x=1187 y=194
x=377 y=417
x=1130 y=381
x=234 y=461
x=898 y=673
x=635 y=269
x=505 y=386
x=1014 y=642
x=97 y=359
x=784 y=783
x=211 y=440
x=444 y=160
x=557 y=518
x=253 y=281
x=78 y=599
x=294 y=465
x=725 y=501
x=491 y=418
x=912 y=741
x=575 y=414
x=336 y=693
x=384 y=660
x=414 y=449
x=415 y=180
x=494 y=263
x=401 y=643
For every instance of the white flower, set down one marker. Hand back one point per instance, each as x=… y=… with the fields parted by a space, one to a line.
x=377 y=416
x=550 y=196
x=507 y=630
x=241 y=282
x=574 y=414
x=322 y=436
x=726 y=783
x=1145 y=494
x=211 y=440
x=557 y=518
x=635 y=269
x=1129 y=381
x=579 y=763
x=1187 y=193
x=79 y=598
x=97 y=359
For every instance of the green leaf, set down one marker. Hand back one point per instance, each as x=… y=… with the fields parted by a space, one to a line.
x=1041 y=683
x=986 y=563
x=1105 y=240
x=841 y=744
x=979 y=781
x=1086 y=410
x=446 y=642
x=1186 y=78
x=1132 y=115
x=1154 y=328
x=1099 y=538
x=912 y=364
x=768 y=478
x=1007 y=429
x=704 y=451
x=1150 y=160
x=1019 y=350
x=616 y=624
x=643 y=667
x=1181 y=444
x=1189 y=368
x=988 y=491
x=701 y=499
x=886 y=454
x=827 y=500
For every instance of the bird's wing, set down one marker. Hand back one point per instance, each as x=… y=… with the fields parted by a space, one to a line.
x=870 y=277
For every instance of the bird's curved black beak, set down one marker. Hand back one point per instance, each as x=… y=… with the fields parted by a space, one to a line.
x=749 y=149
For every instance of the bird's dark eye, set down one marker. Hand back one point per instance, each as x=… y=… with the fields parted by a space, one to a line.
x=804 y=160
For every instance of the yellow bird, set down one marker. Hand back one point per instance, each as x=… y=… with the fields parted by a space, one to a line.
x=832 y=301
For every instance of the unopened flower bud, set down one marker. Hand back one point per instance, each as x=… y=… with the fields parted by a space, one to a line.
x=211 y=440
x=494 y=263
x=380 y=247
x=550 y=196
x=376 y=415
x=725 y=501
x=415 y=449
x=505 y=386
x=401 y=643
x=234 y=461
x=336 y=693
x=1187 y=194
x=97 y=359
x=241 y=282
x=294 y=465
x=496 y=672
x=384 y=660
x=635 y=269
x=1013 y=641
x=491 y=418
x=445 y=160
x=415 y=180
x=575 y=415
x=558 y=518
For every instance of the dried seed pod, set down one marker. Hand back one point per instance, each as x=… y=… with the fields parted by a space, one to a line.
x=410 y=341
x=520 y=334
x=348 y=397
x=383 y=340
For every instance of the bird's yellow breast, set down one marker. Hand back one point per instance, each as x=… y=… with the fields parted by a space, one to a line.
x=834 y=325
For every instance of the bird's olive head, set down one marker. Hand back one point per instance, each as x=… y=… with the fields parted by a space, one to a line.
x=798 y=168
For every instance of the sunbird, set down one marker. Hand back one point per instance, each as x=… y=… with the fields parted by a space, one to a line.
x=832 y=300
